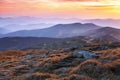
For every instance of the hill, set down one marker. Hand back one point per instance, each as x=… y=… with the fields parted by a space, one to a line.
x=23 y=43
x=16 y=43
x=107 y=33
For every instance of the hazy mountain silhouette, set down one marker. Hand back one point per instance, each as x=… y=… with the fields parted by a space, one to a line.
x=70 y=30
x=3 y=31
x=57 y=31
x=104 y=22
x=18 y=27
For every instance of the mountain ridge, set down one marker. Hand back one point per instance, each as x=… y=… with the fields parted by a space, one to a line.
x=56 y=31
x=108 y=33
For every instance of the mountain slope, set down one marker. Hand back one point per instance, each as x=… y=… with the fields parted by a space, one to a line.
x=107 y=33
x=104 y=22
x=57 y=31
x=3 y=31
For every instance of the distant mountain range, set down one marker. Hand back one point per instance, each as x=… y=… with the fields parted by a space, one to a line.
x=70 y=30
x=57 y=31
x=104 y=22
x=3 y=31
x=26 y=20
x=29 y=23
x=18 y=27
x=59 y=36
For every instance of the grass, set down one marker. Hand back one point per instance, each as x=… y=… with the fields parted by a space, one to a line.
x=60 y=65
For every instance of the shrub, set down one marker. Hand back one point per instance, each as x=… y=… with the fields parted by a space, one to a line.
x=90 y=68
x=114 y=67
x=41 y=76
x=78 y=77
x=110 y=54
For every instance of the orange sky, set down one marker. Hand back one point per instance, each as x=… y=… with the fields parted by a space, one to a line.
x=61 y=8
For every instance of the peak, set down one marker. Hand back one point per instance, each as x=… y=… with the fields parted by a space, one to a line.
x=89 y=24
x=68 y=24
x=76 y=23
x=108 y=28
x=58 y=24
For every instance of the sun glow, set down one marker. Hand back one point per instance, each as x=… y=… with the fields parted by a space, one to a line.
x=112 y=2
x=62 y=8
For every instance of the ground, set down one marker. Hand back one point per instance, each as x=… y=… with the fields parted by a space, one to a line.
x=59 y=64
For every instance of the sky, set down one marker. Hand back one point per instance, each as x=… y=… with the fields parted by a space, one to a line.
x=84 y=9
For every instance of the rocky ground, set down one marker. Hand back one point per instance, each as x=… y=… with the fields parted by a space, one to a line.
x=61 y=64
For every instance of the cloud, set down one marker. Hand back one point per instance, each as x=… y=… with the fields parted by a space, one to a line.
x=83 y=2
x=14 y=1
x=32 y=1
x=2 y=1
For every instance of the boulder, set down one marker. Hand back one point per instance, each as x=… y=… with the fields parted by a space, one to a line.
x=85 y=55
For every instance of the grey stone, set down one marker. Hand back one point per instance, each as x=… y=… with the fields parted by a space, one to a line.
x=85 y=54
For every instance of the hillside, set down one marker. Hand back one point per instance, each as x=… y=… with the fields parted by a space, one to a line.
x=22 y=43
x=107 y=33
x=45 y=64
x=16 y=43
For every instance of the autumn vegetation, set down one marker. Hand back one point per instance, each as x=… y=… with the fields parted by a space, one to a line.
x=60 y=64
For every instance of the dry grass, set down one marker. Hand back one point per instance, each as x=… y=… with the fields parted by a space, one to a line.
x=11 y=54
x=78 y=77
x=106 y=67
x=111 y=55
x=41 y=76
x=90 y=68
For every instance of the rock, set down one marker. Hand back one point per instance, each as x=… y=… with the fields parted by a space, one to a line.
x=85 y=54
x=71 y=49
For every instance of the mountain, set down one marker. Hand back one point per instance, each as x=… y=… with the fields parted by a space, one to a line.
x=70 y=30
x=18 y=27
x=3 y=31
x=23 y=23
x=57 y=31
x=104 y=22
x=107 y=33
